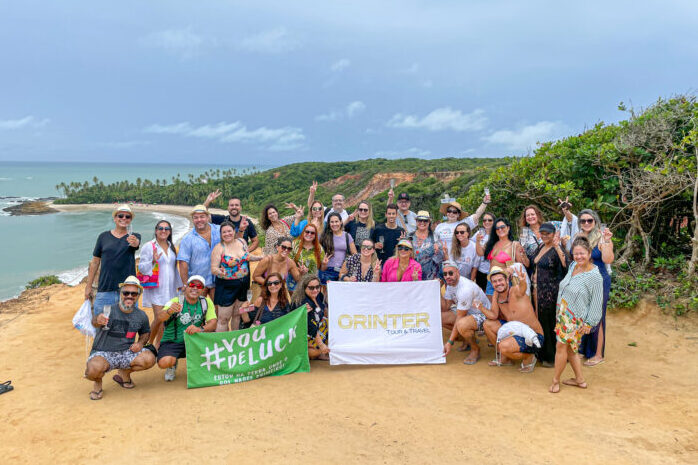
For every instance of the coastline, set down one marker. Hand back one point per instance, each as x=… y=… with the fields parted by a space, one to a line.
x=179 y=210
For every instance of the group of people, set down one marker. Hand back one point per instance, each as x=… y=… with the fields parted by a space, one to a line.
x=539 y=298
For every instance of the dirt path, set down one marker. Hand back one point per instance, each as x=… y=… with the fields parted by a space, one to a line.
x=641 y=406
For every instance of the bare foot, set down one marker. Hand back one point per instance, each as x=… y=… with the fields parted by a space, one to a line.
x=554 y=388
x=573 y=382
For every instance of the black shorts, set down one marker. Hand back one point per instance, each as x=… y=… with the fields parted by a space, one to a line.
x=172 y=349
x=230 y=290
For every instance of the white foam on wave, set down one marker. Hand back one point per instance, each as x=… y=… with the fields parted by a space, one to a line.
x=74 y=276
x=12 y=201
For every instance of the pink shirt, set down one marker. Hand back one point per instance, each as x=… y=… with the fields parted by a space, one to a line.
x=390 y=270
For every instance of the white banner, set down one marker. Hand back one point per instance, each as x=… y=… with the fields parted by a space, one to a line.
x=385 y=323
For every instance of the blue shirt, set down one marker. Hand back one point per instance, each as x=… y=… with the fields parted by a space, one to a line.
x=196 y=251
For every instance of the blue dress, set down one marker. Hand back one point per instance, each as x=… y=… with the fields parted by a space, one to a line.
x=590 y=341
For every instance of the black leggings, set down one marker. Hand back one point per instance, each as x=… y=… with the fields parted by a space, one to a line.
x=481 y=280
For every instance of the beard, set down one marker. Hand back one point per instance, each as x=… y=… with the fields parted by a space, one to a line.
x=125 y=307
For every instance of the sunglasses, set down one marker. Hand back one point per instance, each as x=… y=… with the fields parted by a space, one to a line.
x=309 y=233
x=452 y=210
x=317 y=209
x=164 y=228
x=196 y=285
x=449 y=273
x=121 y=216
x=273 y=283
x=501 y=226
x=313 y=288
x=363 y=209
x=403 y=247
x=585 y=221
x=461 y=232
x=366 y=247
x=130 y=293
x=286 y=248
x=487 y=220
x=422 y=221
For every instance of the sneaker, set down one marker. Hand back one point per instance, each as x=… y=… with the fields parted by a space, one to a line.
x=170 y=373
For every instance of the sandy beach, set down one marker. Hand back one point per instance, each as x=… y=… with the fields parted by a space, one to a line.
x=641 y=405
x=181 y=210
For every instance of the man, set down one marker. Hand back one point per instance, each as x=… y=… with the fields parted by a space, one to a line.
x=406 y=218
x=115 y=252
x=194 y=257
x=193 y=314
x=466 y=295
x=244 y=227
x=385 y=236
x=115 y=347
x=511 y=303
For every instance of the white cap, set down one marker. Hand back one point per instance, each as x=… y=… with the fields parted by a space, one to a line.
x=196 y=277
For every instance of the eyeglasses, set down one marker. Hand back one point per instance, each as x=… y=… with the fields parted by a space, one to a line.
x=449 y=273
x=452 y=210
x=196 y=285
x=586 y=221
x=403 y=247
x=317 y=209
x=309 y=233
x=461 y=232
x=501 y=226
x=366 y=247
x=273 y=283
x=286 y=248
x=164 y=228
x=313 y=288
x=130 y=293
x=121 y=216
x=363 y=209
x=487 y=220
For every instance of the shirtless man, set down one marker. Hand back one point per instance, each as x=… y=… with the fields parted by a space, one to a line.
x=511 y=303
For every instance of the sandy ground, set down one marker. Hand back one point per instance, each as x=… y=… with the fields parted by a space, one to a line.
x=641 y=406
x=182 y=210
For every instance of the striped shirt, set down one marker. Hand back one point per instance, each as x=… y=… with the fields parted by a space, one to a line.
x=583 y=294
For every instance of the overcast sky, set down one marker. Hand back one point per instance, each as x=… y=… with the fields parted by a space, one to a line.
x=275 y=82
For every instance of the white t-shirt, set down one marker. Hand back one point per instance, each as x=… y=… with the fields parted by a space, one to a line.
x=464 y=294
x=344 y=214
x=468 y=260
x=484 y=266
x=444 y=231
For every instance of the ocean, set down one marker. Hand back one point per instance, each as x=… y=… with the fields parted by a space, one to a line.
x=62 y=243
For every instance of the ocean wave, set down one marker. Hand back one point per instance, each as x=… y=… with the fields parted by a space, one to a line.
x=5 y=179
x=74 y=276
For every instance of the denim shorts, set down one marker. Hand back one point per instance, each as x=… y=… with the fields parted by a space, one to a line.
x=490 y=289
x=104 y=298
x=331 y=274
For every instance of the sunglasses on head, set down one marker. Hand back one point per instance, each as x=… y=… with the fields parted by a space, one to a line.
x=273 y=283
x=366 y=247
x=286 y=248
x=449 y=273
x=363 y=209
x=164 y=228
x=586 y=221
x=313 y=288
x=129 y=293
x=122 y=216
x=403 y=247
x=501 y=226
x=452 y=210
x=461 y=232
x=196 y=285
x=317 y=209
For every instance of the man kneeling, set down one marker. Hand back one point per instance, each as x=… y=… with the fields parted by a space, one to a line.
x=115 y=346
x=191 y=314
x=465 y=294
x=511 y=303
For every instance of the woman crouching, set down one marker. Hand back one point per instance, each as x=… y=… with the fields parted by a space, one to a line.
x=308 y=292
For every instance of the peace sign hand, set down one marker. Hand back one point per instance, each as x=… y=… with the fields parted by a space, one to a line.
x=156 y=256
x=565 y=204
x=415 y=274
x=313 y=187
x=327 y=259
x=213 y=196
x=556 y=239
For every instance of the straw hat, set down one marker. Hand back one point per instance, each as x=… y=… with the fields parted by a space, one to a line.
x=497 y=270
x=453 y=204
x=122 y=208
x=199 y=209
x=423 y=215
x=131 y=281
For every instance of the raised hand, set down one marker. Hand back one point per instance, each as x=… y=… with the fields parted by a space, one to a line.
x=133 y=240
x=176 y=307
x=377 y=267
x=244 y=223
x=156 y=256
x=556 y=239
x=313 y=187
x=391 y=193
x=299 y=212
x=415 y=274
x=303 y=269
x=607 y=235
x=327 y=259
x=213 y=196
x=565 y=204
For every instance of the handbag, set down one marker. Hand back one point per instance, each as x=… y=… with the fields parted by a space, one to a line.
x=151 y=280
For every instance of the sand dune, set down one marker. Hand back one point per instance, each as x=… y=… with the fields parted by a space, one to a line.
x=641 y=406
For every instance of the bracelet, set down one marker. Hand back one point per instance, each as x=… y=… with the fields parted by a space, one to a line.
x=450 y=342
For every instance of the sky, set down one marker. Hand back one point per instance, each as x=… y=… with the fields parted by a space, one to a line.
x=275 y=82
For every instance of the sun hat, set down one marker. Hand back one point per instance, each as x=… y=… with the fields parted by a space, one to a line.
x=406 y=243
x=423 y=215
x=497 y=270
x=122 y=208
x=454 y=204
x=196 y=277
x=547 y=227
x=199 y=209
x=131 y=281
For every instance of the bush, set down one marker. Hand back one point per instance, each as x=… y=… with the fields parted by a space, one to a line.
x=43 y=281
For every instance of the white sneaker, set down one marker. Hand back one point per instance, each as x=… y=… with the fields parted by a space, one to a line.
x=170 y=373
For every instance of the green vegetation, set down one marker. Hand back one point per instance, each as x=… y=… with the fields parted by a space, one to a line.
x=43 y=281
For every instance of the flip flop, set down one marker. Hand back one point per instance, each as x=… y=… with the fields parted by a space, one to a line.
x=470 y=361
x=593 y=363
x=573 y=382
x=96 y=395
x=6 y=387
x=497 y=363
x=552 y=388
x=124 y=384
x=528 y=368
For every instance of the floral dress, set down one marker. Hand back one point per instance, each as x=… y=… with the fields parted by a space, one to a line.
x=426 y=256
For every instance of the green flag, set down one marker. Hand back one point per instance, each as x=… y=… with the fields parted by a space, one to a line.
x=276 y=348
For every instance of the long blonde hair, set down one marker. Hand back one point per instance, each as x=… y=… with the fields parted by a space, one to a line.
x=594 y=235
x=370 y=222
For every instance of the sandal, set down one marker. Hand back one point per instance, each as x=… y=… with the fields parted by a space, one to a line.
x=470 y=361
x=96 y=395
x=593 y=363
x=497 y=363
x=6 y=387
x=575 y=383
x=528 y=368
x=124 y=384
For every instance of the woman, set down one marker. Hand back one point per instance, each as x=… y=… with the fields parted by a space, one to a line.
x=307 y=252
x=360 y=224
x=402 y=267
x=273 y=301
x=501 y=250
x=463 y=252
x=280 y=262
x=274 y=228
x=530 y=222
x=579 y=308
x=315 y=217
x=362 y=267
x=588 y=225
x=230 y=267
x=482 y=236
x=427 y=251
x=159 y=258
x=549 y=267
x=308 y=293
x=455 y=215
x=337 y=245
